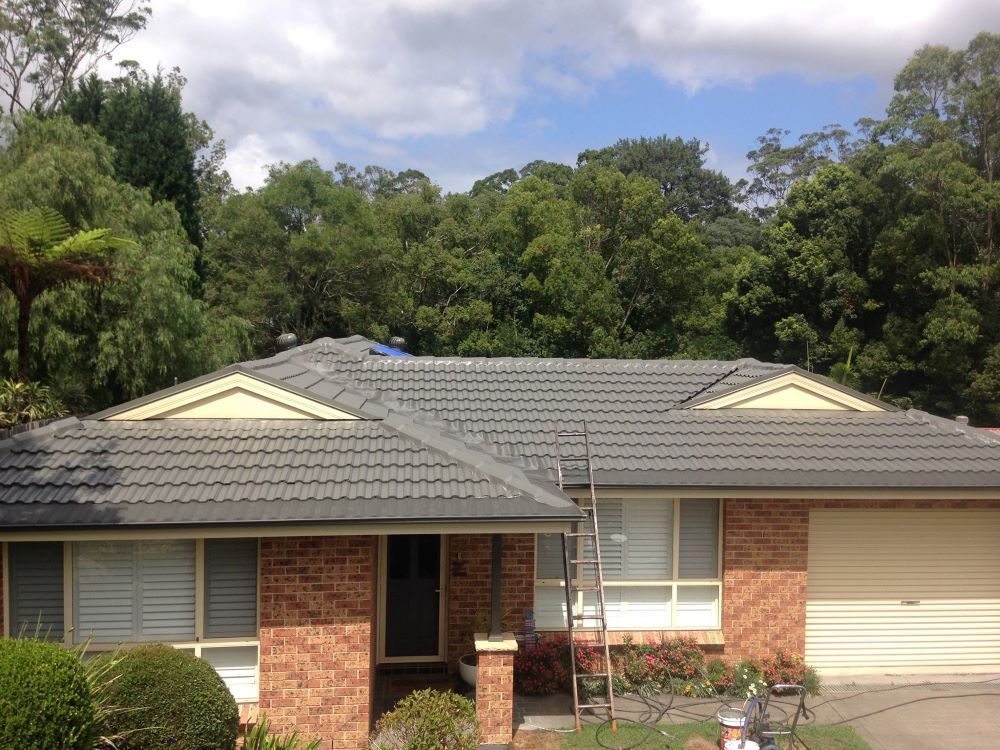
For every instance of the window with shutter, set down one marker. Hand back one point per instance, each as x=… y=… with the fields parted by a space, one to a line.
x=104 y=591
x=166 y=590
x=650 y=582
x=36 y=589
x=231 y=588
x=140 y=591
x=134 y=591
x=699 y=554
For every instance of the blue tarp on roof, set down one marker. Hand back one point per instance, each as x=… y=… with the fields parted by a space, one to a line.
x=388 y=351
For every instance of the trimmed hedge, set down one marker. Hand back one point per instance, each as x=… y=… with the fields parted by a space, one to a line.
x=45 y=700
x=165 y=699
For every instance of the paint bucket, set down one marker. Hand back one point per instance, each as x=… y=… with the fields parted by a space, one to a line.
x=735 y=745
x=731 y=721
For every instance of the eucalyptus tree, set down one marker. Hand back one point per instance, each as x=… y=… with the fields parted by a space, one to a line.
x=45 y=46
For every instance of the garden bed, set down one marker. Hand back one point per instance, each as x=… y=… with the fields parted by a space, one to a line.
x=675 y=665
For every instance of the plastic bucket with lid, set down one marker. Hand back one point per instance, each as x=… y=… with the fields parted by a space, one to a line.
x=731 y=722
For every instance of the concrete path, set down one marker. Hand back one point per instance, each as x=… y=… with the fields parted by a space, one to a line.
x=890 y=713
x=912 y=713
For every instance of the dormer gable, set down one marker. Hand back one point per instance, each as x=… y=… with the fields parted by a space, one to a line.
x=790 y=389
x=230 y=394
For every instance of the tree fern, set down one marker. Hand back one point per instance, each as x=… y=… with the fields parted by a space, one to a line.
x=39 y=252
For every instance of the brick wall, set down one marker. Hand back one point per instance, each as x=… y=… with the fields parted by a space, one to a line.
x=764 y=576
x=495 y=696
x=469 y=585
x=317 y=636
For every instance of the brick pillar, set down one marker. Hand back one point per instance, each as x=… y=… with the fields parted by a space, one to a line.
x=469 y=585
x=765 y=556
x=317 y=636
x=495 y=688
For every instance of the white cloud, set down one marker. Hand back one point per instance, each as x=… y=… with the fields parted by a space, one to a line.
x=291 y=80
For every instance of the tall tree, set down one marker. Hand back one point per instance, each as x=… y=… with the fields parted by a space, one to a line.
x=101 y=344
x=46 y=45
x=690 y=189
x=775 y=167
x=155 y=141
x=38 y=253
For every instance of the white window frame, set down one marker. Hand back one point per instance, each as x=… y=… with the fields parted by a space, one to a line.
x=198 y=645
x=673 y=584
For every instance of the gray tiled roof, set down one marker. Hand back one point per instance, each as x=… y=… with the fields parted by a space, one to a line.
x=641 y=431
x=467 y=439
x=92 y=472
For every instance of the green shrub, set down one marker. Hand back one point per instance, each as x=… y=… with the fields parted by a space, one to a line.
x=260 y=738
x=166 y=699
x=428 y=720
x=45 y=701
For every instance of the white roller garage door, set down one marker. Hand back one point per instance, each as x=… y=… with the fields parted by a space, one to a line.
x=903 y=591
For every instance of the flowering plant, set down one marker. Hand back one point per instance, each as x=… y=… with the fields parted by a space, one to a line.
x=543 y=670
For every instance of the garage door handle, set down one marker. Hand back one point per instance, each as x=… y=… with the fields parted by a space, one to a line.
x=909 y=602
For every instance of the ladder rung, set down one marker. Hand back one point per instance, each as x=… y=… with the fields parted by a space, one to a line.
x=572 y=434
x=586 y=588
x=588 y=617
x=595 y=705
x=602 y=675
x=574 y=458
x=583 y=562
x=581 y=533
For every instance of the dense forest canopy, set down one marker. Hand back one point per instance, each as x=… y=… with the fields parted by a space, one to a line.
x=867 y=254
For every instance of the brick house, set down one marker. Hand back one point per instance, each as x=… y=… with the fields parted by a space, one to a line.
x=305 y=520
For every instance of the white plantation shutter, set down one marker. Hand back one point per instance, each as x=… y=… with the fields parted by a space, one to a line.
x=134 y=591
x=636 y=539
x=611 y=520
x=231 y=588
x=36 y=589
x=699 y=553
x=105 y=591
x=650 y=544
x=166 y=590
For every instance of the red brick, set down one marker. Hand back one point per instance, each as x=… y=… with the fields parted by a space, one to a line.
x=317 y=636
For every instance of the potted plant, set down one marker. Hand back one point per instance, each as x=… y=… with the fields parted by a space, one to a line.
x=467 y=663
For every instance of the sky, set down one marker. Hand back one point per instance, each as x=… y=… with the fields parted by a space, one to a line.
x=460 y=89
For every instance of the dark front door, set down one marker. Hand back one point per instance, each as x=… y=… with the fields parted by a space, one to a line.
x=412 y=595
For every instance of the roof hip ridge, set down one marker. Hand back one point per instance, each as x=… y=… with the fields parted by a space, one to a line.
x=507 y=470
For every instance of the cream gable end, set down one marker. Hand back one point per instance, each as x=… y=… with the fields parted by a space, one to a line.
x=789 y=391
x=234 y=396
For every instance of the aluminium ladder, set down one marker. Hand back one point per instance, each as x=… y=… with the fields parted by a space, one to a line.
x=584 y=574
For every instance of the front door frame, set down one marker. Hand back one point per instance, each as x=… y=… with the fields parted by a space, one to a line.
x=383 y=547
